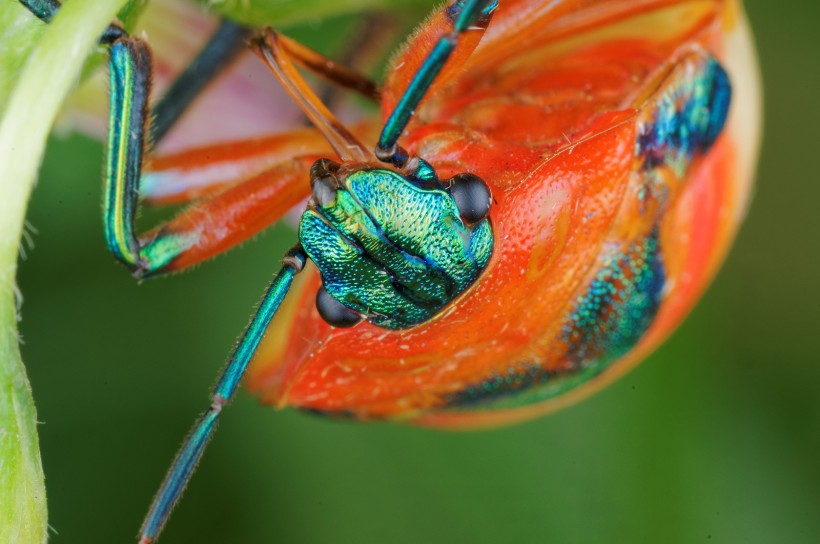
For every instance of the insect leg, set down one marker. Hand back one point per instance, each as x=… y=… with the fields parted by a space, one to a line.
x=191 y=174
x=208 y=227
x=329 y=69
x=272 y=49
x=194 y=445
x=468 y=14
x=225 y=219
x=222 y=48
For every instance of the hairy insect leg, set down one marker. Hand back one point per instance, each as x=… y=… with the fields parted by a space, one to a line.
x=465 y=15
x=225 y=219
x=194 y=445
x=208 y=227
x=191 y=174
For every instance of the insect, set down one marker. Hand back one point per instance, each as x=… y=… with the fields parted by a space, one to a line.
x=549 y=188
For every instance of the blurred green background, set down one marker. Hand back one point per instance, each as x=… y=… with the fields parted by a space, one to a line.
x=715 y=438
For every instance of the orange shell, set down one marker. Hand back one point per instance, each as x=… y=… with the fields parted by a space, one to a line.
x=546 y=109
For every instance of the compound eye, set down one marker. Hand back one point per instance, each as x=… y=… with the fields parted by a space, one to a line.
x=334 y=312
x=472 y=197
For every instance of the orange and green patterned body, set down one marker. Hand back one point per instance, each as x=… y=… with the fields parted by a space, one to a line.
x=618 y=139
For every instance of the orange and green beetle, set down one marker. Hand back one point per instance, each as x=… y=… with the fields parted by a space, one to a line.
x=550 y=188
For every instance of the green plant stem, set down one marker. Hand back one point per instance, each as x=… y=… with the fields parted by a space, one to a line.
x=34 y=99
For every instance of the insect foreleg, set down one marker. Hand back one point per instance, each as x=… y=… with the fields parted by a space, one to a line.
x=194 y=445
x=469 y=14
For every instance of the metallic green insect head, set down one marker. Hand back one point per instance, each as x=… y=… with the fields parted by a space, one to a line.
x=393 y=248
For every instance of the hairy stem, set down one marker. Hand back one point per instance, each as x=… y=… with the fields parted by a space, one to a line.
x=39 y=66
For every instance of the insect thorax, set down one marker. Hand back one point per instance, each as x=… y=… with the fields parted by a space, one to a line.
x=391 y=248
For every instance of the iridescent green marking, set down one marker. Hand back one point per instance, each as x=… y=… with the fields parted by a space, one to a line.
x=392 y=250
x=620 y=303
x=606 y=322
x=130 y=66
x=618 y=307
x=674 y=135
x=158 y=253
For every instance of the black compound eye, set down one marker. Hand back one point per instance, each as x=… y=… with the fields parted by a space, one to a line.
x=334 y=312
x=472 y=197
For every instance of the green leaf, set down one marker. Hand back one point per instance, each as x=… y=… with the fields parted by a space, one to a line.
x=39 y=66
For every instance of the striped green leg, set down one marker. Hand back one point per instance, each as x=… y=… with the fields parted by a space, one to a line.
x=194 y=445
x=130 y=84
x=130 y=66
x=467 y=14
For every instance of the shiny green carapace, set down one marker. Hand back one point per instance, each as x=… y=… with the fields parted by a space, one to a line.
x=394 y=250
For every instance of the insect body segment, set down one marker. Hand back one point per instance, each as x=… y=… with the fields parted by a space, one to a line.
x=392 y=250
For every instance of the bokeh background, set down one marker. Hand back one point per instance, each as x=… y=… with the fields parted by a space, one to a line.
x=715 y=438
